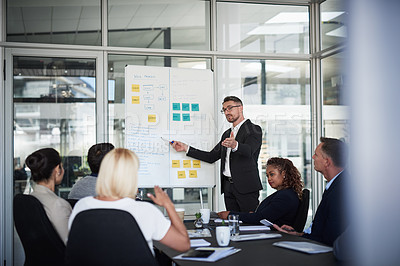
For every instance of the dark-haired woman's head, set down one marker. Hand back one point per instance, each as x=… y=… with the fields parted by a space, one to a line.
x=281 y=174
x=43 y=163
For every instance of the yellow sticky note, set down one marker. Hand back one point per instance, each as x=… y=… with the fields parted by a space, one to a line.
x=151 y=118
x=181 y=174
x=192 y=173
x=196 y=164
x=135 y=99
x=186 y=164
x=135 y=88
x=176 y=164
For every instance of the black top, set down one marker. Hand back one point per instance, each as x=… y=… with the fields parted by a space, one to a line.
x=279 y=208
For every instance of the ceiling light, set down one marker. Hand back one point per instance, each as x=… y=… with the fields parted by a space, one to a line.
x=339 y=32
x=278 y=29
x=300 y=17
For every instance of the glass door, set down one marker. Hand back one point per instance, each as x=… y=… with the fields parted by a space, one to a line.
x=53 y=105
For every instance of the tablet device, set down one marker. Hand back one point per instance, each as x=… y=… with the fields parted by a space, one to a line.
x=198 y=253
x=266 y=222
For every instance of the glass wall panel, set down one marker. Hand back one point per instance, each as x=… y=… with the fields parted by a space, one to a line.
x=54 y=106
x=188 y=198
x=335 y=109
x=63 y=22
x=276 y=96
x=178 y=24
x=262 y=28
x=333 y=23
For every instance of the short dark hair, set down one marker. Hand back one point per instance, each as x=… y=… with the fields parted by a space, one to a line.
x=96 y=154
x=233 y=99
x=336 y=150
x=42 y=163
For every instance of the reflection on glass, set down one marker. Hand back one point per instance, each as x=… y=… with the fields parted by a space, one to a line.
x=179 y=24
x=335 y=110
x=276 y=96
x=54 y=106
x=63 y=22
x=187 y=198
x=333 y=23
x=262 y=28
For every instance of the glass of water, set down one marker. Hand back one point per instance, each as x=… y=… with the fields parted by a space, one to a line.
x=233 y=220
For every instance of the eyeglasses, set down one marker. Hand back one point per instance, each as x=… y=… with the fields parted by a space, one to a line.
x=229 y=108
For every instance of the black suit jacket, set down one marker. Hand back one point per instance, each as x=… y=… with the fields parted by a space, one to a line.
x=243 y=162
x=329 y=221
x=279 y=208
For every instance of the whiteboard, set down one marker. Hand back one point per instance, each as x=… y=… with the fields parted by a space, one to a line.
x=164 y=104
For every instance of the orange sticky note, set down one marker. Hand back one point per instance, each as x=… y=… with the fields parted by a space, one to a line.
x=193 y=173
x=152 y=118
x=181 y=174
x=135 y=99
x=135 y=88
x=196 y=164
x=176 y=164
x=186 y=164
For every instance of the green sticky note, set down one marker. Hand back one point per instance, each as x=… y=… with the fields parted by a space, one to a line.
x=176 y=117
x=195 y=107
x=185 y=107
x=176 y=106
x=185 y=117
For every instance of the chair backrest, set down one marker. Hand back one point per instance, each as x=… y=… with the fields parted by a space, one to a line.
x=41 y=242
x=107 y=237
x=302 y=211
x=72 y=202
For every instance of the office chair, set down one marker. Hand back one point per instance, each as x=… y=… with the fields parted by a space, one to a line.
x=41 y=242
x=107 y=237
x=302 y=211
x=72 y=202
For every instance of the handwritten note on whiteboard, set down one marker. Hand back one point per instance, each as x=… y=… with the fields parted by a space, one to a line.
x=174 y=104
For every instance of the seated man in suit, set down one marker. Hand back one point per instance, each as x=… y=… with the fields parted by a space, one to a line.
x=329 y=222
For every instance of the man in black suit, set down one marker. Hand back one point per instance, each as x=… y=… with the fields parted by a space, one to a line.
x=329 y=222
x=238 y=150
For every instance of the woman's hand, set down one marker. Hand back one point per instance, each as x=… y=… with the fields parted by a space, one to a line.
x=223 y=214
x=161 y=197
x=287 y=229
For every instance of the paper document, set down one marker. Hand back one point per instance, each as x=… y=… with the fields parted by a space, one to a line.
x=194 y=243
x=254 y=228
x=218 y=254
x=255 y=237
x=306 y=247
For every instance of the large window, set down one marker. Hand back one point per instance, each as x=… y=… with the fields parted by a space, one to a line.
x=335 y=111
x=333 y=23
x=179 y=24
x=262 y=28
x=54 y=106
x=63 y=22
x=276 y=96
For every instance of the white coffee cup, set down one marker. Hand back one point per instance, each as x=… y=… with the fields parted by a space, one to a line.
x=223 y=235
x=205 y=215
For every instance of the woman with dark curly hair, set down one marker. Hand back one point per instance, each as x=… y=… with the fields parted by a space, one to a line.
x=280 y=207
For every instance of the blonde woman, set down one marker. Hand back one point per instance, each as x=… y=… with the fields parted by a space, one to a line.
x=116 y=188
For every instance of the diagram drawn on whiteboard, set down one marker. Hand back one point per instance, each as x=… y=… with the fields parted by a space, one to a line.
x=165 y=104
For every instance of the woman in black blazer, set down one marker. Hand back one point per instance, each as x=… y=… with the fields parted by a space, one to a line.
x=281 y=206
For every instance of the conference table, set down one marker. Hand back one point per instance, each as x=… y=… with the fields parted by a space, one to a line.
x=255 y=252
